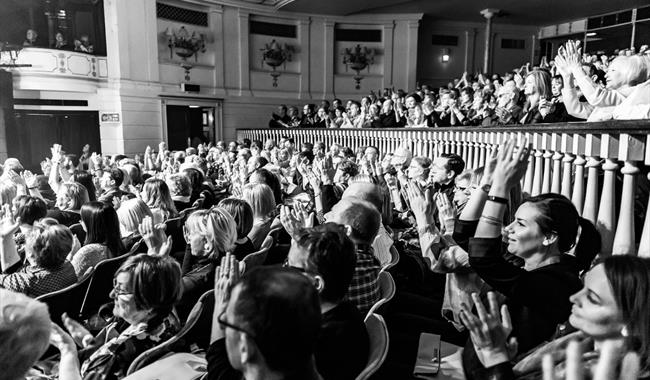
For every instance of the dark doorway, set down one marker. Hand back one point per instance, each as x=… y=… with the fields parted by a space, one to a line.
x=36 y=131
x=192 y=123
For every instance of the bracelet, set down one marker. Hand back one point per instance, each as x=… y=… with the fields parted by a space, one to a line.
x=491 y=220
x=497 y=199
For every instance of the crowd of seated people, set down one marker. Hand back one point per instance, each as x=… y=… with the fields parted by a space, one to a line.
x=571 y=87
x=516 y=280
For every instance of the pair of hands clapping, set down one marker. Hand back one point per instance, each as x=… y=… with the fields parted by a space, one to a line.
x=491 y=327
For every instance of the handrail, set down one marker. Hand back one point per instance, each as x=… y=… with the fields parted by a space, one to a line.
x=567 y=158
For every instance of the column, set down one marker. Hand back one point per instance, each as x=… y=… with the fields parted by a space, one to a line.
x=328 y=50
x=389 y=29
x=244 y=67
x=305 y=51
x=488 y=13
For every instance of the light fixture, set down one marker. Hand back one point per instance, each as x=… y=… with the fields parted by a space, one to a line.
x=358 y=59
x=275 y=55
x=445 y=55
x=194 y=106
x=185 y=45
x=591 y=34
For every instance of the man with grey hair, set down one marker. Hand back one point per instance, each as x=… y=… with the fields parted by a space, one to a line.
x=373 y=194
x=362 y=220
x=24 y=333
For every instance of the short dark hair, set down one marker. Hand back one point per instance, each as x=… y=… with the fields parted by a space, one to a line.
x=556 y=214
x=454 y=162
x=331 y=254
x=362 y=217
x=272 y=180
x=155 y=283
x=241 y=211
x=117 y=175
x=349 y=167
x=308 y=154
x=30 y=209
x=50 y=245
x=281 y=309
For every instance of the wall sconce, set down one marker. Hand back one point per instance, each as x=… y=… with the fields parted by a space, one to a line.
x=445 y=55
x=185 y=45
x=358 y=59
x=275 y=55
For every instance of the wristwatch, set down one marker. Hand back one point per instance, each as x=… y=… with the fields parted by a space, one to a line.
x=486 y=188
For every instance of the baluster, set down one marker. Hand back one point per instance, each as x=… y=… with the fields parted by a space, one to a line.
x=546 y=177
x=606 y=211
x=644 y=247
x=630 y=151
x=482 y=139
x=592 y=150
x=537 y=177
x=556 y=157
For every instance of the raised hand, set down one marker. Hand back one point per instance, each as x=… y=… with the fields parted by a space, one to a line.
x=511 y=166
x=422 y=203
x=611 y=355
x=293 y=220
x=446 y=213
x=9 y=226
x=489 y=330
x=226 y=276
x=78 y=333
x=56 y=153
x=61 y=339
x=154 y=236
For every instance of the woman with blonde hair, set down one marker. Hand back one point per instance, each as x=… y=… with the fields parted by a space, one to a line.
x=624 y=97
x=155 y=193
x=210 y=234
x=538 y=107
x=130 y=214
x=69 y=199
x=260 y=198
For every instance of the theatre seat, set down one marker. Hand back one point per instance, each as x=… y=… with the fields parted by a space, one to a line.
x=68 y=300
x=194 y=335
x=394 y=259
x=378 y=334
x=386 y=291
x=258 y=258
x=101 y=282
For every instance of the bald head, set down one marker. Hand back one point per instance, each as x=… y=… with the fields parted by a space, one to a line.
x=368 y=192
x=362 y=217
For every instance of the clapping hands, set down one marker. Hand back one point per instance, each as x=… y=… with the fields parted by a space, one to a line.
x=489 y=330
x=610 y=358
x=8 y=225
x=295 y=219
x=154 y=236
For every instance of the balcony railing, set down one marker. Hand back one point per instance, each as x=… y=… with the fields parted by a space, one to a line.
x=568 y=159
x=53 y=62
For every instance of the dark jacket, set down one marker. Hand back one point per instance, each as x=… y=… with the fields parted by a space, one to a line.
x=342 y=349
x=538 y=300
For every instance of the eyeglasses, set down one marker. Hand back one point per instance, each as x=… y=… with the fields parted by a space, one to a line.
x=118 y=291
x=223 y=324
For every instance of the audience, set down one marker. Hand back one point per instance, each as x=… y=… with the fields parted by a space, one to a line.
x=337 y=216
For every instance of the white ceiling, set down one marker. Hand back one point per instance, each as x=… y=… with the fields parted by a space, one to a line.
x=531 y=12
